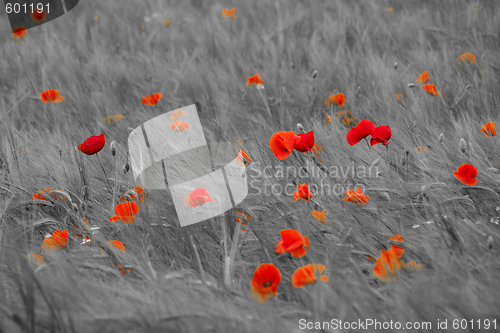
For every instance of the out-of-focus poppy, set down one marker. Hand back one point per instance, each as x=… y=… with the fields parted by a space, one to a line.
x=243 y=158
x=43 y=194
x=337 y=99
x=292 y=242
x=19 y=33
x=93 y=144
x=489 y=129
x=471 y=58
x=166 y=22
x=109 y=119
x=357 y=197
x=125 y=212
x=51 y=95
x=388 y=262
x=116 y=244
x=256 y=80
x=36 y=258
x=306 y=142
x=466 y=173
x=282 y=144
x=381 y=134
x=319 y=216
x=241 y=219
x=316 y=149
x=302 y=192
x=307 y=275
x=228 y=13
x=38 y=16
x=398 y=250
x=430 y=89
x=359 y=132
x=152 y=100
x=197 y=198
x=138 y=189
x=423 y=78
x=179 y=126
x=265 y=281
x=178 y=114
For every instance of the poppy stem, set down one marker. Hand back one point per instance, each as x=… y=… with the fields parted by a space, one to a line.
x=368 y=143
x=265 y=101
x=102 y=167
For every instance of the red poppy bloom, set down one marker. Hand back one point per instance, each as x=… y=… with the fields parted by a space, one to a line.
x=125 y=212
x=319 y=216
x=469 y=56
x=117 y=244
x=359 y=132
x=256 y=80
x=282 y=144
x=93 y=144
x=228 y=13
x=265 y=281
x=152 y=100
x=398 y=250
x=423 y=78
x=51 y=95
x=306 y=142
x=138 y=190
x=430 y=89
x=338 y=99
x=197 y=198
x=19 y=33
x=58 y=241
x=38 y=17
x=489 y=129
x=307 y=275
x=179 y=126
x=381 y=134
x=387 y=262
x=292 y=242
x=466 y=173
x=357 y=197
x=302 y=192
x=243 y=158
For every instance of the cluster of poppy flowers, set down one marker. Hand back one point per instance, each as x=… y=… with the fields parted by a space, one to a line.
x=365 y=128
x=346 y=118
x=267 y=276
x=283 y=143
x=178 y=125
x=429 y=88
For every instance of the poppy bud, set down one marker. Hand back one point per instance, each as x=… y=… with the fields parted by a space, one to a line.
x=463 y=145
x=150 y=251
x=403 y=160
x=130 y=129
x=83 y=207
x=300 y=128
x=490 y=242
x=315 y=73
x=411 y=85
x=126 y=167
x=112 y=147
x=407 y=152
x=376 y=162
x=441 y=137
x=396 y=65
x=75 y=207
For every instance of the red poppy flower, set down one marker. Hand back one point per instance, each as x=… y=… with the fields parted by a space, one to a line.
x=117 y=244
x=152 y=100
x=466 y=173
x=359 y=132
x=282 y=144
x=430 y=89
x=58 y=241
x=398 y=250
x=256 y=80
x=387 y=262
x=197 y=198
x=489 y=129
x=338 y=99
x=381 y=134
x=423 y=78
x=357 y=197
x=125 y=212
x=38 y=17
x=469 y=56
x=265 y=281
x=138 y=190
x=228 y=13
x=302 y=192
x=19 y=33
x=93 y=144
x=306 y=141
x=51 y=95
x=307 y=275
x=292 y=242
x=243 y=158
x=319 y=216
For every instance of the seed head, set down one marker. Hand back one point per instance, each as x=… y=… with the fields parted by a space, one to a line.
x=315 y=73
x=112 y=147
x=441 y=138
x=490 y=243
x=463 y=145
x=411 y=85
x=126 y=167
x=396 y=65
x=300 y=128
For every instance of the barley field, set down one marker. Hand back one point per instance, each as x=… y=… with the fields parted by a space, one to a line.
x=429 y=70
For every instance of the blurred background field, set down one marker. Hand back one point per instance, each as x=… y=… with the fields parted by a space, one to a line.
x=104 y=56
